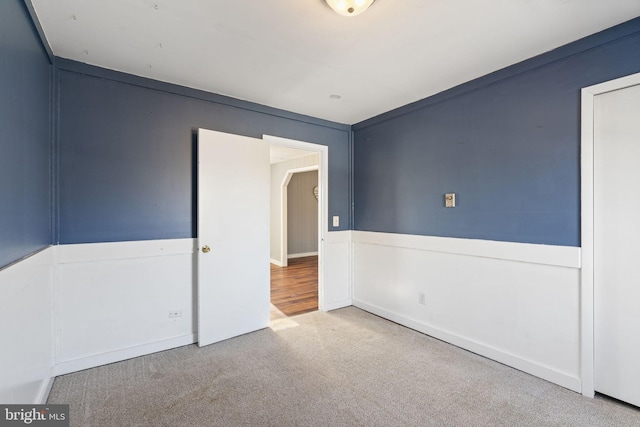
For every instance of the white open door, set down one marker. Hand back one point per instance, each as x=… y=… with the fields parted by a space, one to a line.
x=233 y=235
x=616 y=236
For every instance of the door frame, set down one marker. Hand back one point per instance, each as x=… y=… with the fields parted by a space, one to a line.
x=284 y=220
x=587 y=338
x=323 y=200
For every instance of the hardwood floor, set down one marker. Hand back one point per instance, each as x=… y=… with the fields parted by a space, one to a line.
x=294 y=289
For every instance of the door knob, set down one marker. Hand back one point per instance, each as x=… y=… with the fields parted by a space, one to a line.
x=206 y=249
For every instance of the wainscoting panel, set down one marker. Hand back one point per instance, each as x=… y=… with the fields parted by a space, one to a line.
x=514 y=303
x=113 y=301
x=336 y=271
x=26 y=358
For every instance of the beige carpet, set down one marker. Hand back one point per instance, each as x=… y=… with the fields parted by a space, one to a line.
x=344 y=368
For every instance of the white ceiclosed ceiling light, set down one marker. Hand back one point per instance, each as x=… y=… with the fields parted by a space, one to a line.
x=349 y=7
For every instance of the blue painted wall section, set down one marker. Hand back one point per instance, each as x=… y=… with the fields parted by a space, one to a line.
x=508 y=145
x=126 y=152
x=25 y=202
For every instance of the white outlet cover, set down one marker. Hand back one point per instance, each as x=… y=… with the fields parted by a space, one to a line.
x=450 y=200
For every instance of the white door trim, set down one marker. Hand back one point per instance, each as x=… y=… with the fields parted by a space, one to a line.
x=284 y=249
x=587 y=225
x=323 y=187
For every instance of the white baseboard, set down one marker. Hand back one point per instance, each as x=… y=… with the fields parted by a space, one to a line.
x=338 y=304
x=302 y=255
x=276 y=262
x=47 y=384
x=565 y=380
x=123 y=354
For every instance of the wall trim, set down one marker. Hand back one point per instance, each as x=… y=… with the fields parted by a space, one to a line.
x=302 y=255
x=144 y=82
x=520 y=363
x=562 y=256
x=45 y=389
x=124 y=354
x=89 y=252
x=587 y=339
x=18 y=261
x=339 y=304
x=38 y=28
x=339 y=236
x=276 y=262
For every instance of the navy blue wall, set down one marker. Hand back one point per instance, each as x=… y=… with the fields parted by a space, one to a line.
x=126 y=152
x=508 y=145
x=25 y=214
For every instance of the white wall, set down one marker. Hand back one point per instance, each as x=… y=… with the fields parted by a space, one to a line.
x=278 y=173
x=113 y=301
x=336 y=271
x=26 y=349
x=514 y=303
x=74 y=307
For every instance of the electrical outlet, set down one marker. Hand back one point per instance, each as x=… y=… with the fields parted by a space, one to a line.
x=421 y=299
x=175 y=313
x=336 y=221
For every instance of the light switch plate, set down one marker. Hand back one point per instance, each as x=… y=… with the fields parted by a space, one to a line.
x=336 y=221
x=450 y=200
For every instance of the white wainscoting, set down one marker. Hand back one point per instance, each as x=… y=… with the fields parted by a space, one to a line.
x=26 y=357
x=335 y=271
x=79 y=306
x=112 y=301
x=515 y=303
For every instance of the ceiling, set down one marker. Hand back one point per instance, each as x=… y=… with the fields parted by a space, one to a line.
x=300 y=56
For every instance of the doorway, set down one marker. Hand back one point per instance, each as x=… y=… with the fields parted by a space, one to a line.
x=234 y=173
x=298 y=210
x=610 y=272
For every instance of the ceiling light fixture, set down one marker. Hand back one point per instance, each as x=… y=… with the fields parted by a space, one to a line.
x=349 y=7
